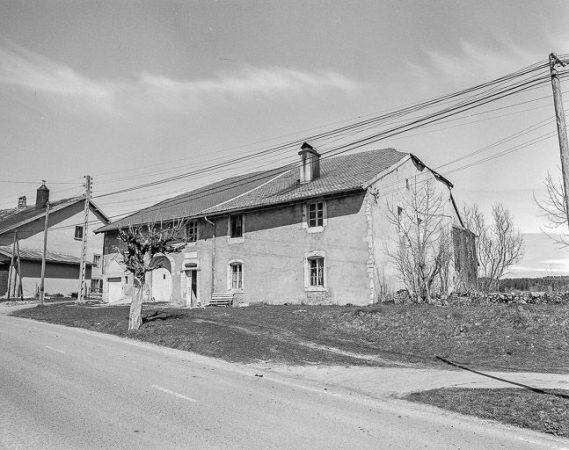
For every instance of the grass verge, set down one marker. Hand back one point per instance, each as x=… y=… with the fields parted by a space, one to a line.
x=508 y=338
x=547 y=413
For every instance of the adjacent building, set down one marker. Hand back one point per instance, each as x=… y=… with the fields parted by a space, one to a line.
x=22 y=240
x=314 y=232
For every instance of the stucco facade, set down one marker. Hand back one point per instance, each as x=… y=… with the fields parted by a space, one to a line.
x=281 y=256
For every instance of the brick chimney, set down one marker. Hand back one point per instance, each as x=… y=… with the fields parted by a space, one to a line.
x=309 y=163
x=42 y=196
x=22 y=202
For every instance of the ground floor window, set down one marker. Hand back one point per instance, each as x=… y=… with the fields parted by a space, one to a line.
x=315 y=271
x=236 y=275
x=96 y=286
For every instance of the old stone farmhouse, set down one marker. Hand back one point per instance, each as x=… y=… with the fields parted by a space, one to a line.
x=313 y=232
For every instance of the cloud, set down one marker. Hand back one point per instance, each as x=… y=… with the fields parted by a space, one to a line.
x=472 y=63
x=19 y=67
x=30 y=71
x=559 y=262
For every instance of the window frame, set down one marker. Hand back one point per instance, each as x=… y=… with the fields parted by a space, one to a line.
x=187 y=235
x=318 y=214
x=316 y=268
x=321 y=221
x=309 y=258
x=230 y=272
x=230 y=221
x=79 y=236
x=97 y=259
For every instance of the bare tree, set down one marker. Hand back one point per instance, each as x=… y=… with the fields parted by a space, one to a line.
x=422 y=250
x=498 y=246
x=554 y=208
x=143 y=242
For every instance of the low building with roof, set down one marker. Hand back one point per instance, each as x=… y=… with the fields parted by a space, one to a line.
x=312 y=232
x=22 y=239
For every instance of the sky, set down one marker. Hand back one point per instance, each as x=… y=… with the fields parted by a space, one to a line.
x=136 y=91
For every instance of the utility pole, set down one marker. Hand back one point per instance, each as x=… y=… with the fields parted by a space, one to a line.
x=12 y=270
x=44 y=256
x=561 y=126
x=80 y=296
x=20 y=284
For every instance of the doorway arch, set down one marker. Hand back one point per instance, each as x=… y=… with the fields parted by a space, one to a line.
x=161 y=279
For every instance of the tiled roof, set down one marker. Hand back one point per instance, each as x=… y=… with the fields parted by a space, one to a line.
x=11 y=218
x=340 y=174
x=337 y=174
x=36 y=255
x=194 y=202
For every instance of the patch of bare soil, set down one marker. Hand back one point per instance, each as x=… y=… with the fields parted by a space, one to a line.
x=547 y=413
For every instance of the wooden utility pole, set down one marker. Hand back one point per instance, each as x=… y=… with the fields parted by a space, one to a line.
x=44 y=256
x=20 y=291
x=82 y=267
x=561 y=126
x=12 y=270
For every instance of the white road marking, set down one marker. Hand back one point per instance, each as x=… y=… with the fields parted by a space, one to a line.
x=175 y=394
x=55 y=349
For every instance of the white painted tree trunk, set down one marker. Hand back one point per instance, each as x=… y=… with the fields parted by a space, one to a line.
x=135 y=316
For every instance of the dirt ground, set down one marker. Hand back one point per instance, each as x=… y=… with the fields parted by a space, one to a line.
x=532 y=338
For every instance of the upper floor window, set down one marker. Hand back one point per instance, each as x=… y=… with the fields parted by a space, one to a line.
x=97 y=260
x=316 y=214
x=236 y=226
x=78 y=232
x=192 y=231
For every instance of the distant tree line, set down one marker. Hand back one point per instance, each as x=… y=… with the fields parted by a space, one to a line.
x=543 y=284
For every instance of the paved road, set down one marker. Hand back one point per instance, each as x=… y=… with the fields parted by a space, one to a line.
x=63 y=388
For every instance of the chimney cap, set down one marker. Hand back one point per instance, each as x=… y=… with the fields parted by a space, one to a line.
x=307 y=148
x=42 y=196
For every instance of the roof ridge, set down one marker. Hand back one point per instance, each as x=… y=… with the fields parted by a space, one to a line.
x=249 y=191
x=31 y=217
x=346 y=171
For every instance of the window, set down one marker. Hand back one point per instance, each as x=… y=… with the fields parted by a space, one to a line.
x=78 y=232
x=97 y=260
x=236 y=276
x=96 y=286
x=316 y=214
x=399 y=217
x=316 y=271
x=192 y=231
x=236 y=226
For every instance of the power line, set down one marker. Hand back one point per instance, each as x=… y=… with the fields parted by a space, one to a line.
x=445 y=113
